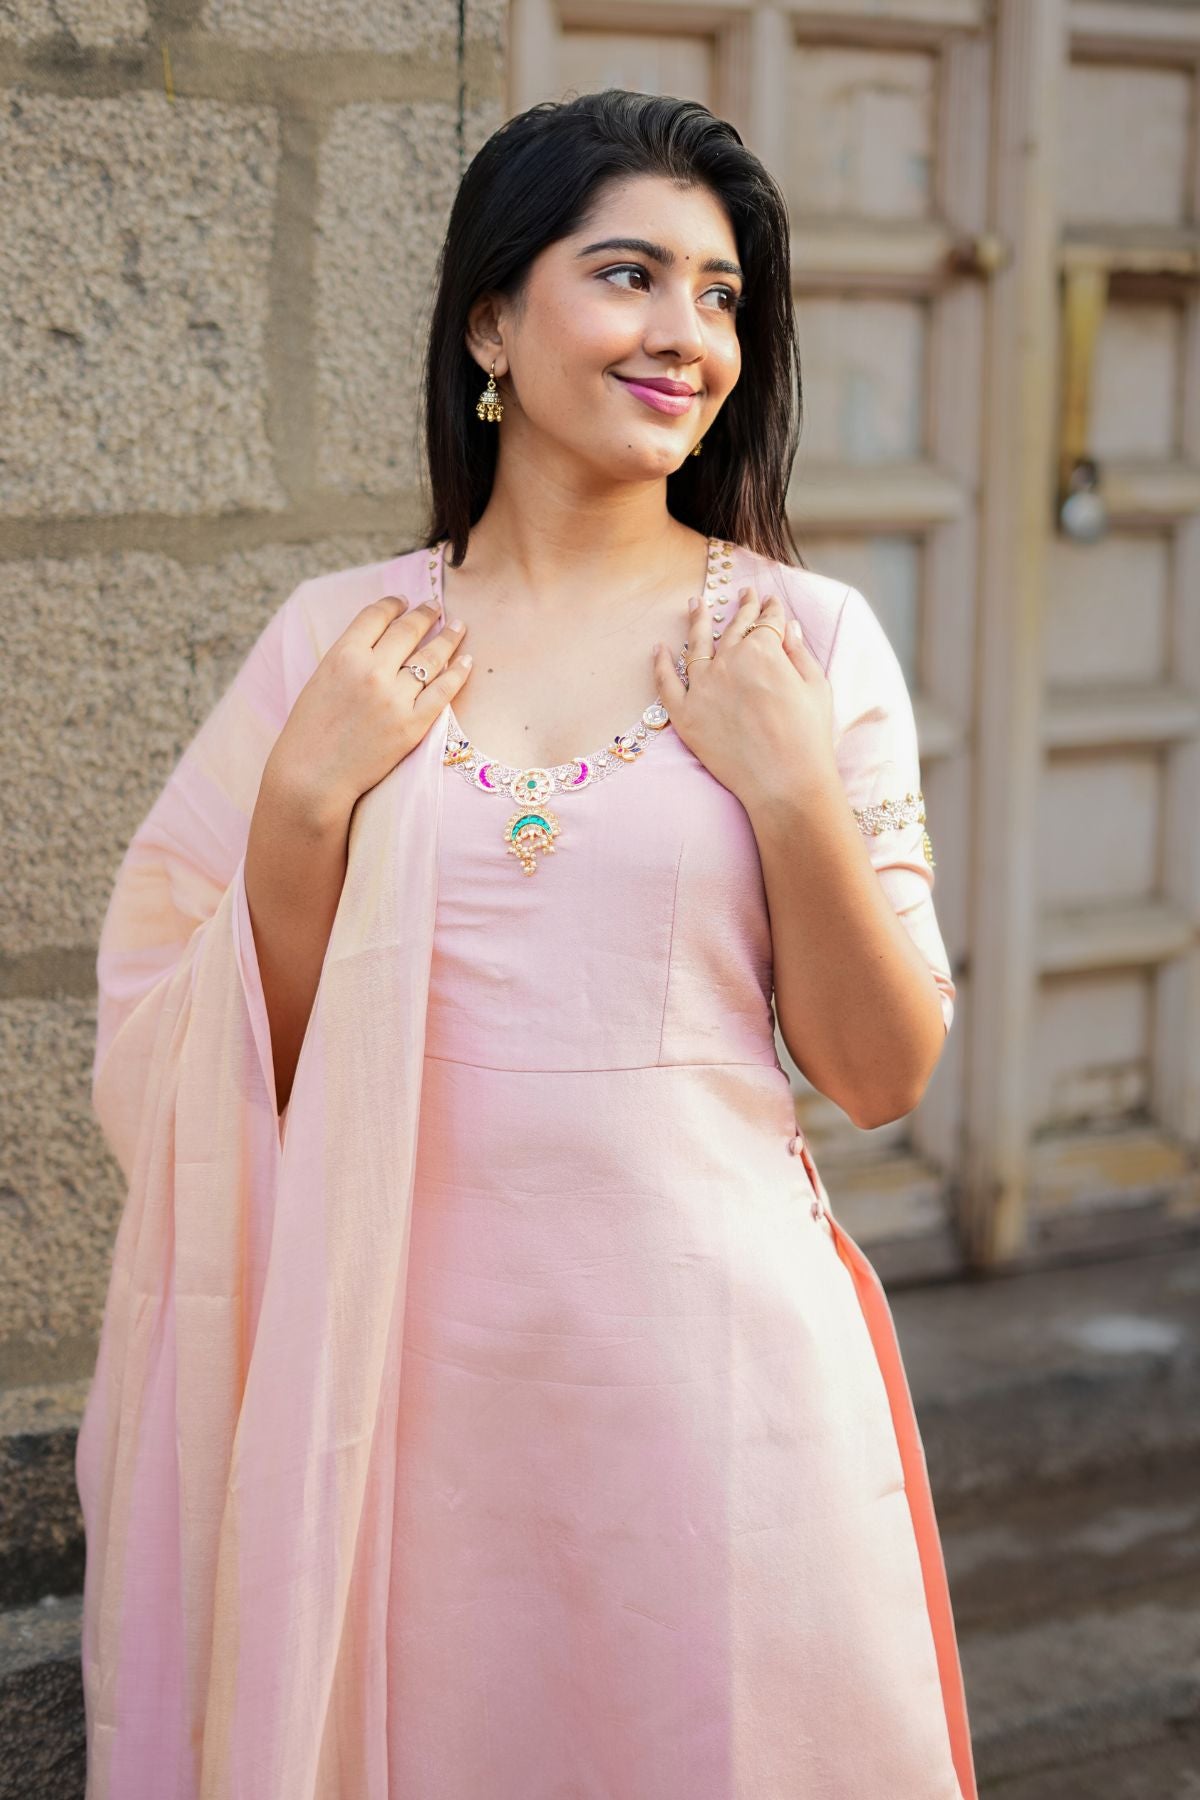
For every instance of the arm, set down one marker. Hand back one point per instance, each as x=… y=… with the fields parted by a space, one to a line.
x=862 y=983
x=295 y=868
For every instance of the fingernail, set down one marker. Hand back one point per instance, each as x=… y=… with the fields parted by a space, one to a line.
x=693 y=603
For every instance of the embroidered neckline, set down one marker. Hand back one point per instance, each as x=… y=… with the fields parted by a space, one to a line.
x=532 y=782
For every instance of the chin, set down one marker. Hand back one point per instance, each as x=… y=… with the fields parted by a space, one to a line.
x=649 y=464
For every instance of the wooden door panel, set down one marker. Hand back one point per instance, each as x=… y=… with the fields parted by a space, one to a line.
x=863 y=130
x=863 y=367
x=652 y=62
x=1093 y=1046
x=1099 y=828
x=1138 y=381
x=1108 y=611
x=1124 y=145
x=1112 y=1115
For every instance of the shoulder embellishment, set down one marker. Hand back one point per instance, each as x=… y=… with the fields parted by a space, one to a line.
x=889 y=815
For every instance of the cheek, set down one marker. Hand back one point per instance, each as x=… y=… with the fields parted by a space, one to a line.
x=728 y=360
x=588 y=331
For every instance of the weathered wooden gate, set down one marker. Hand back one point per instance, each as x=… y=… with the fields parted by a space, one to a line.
x=995 y=253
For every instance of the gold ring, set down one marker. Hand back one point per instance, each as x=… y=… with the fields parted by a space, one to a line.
x=760 y=624
x=691 y=659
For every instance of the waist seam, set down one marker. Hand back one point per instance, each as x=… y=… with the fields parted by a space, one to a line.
x=605 y=1068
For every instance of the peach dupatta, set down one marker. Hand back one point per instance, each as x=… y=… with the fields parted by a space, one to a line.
x=248 y=1364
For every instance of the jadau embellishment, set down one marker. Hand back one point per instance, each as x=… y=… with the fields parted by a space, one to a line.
x=527 y=833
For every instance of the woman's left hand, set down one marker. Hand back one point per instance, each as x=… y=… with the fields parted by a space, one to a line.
x=759 y=715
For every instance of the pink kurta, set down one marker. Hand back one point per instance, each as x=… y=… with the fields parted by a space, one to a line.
x=646 y=1514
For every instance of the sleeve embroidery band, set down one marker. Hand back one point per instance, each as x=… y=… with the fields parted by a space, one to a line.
x=888 y=815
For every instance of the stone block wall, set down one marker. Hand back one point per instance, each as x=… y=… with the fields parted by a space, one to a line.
x=219 y=228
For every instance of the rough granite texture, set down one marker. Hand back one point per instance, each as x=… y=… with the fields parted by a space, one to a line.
x=96 y=24
x=134 y=305
x=388 y=175
x=402 y=29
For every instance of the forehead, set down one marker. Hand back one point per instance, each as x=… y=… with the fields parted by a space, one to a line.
x=656 y=218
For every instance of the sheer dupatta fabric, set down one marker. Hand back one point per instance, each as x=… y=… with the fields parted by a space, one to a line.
x=232 y=1461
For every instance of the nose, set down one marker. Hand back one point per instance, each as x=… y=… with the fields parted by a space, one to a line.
x=673 y=327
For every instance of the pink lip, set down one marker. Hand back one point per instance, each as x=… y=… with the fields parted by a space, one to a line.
x=668 y=403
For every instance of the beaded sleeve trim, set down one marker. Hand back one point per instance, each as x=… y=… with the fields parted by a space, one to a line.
x=889 y=815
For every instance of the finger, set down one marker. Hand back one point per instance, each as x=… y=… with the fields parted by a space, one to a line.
x=444 y=685
x=796 y=645
x=368 y=626
x=700 y=629
x=671 y=690
x=435 y=652
x=774 y=619
x=749 y=607
x=402 y=635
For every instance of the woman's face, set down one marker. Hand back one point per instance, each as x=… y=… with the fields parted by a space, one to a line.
x=663 y=306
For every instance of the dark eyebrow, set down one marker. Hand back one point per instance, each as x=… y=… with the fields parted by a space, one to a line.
x=714 y=265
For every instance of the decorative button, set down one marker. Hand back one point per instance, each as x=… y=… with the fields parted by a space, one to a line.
x=817 y=1209
x=796 y=1144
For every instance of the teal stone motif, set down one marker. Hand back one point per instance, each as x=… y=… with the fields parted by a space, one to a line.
x=529 y=832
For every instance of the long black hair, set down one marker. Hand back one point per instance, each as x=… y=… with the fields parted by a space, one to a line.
x=533 y=183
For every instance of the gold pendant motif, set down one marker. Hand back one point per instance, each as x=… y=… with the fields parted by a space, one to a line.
x=527 y=833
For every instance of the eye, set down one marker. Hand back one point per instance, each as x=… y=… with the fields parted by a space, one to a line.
x=735 y=301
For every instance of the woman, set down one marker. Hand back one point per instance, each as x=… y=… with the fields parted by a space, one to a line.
x=488 y=1404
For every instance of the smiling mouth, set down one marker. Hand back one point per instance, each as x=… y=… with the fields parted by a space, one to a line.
x=681 y=393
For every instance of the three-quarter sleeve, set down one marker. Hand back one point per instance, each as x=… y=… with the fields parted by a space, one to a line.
x=877 y=754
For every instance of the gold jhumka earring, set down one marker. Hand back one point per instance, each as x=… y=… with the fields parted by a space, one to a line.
x=490 y=405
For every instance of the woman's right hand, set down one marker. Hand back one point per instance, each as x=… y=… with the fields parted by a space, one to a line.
x=361 y=711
